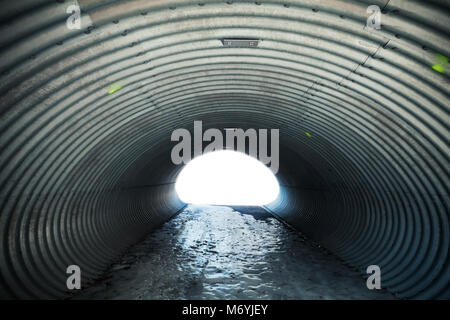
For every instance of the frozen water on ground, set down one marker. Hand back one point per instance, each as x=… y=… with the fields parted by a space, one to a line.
x=217 y=252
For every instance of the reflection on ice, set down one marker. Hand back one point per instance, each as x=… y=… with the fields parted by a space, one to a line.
x=216 y=252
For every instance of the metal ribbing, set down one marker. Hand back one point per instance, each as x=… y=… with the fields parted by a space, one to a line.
x=85 y=173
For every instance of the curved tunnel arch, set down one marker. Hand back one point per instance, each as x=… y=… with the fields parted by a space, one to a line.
x=84 y=173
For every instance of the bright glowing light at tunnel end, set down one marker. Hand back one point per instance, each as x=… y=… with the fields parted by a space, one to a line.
x=226 y=178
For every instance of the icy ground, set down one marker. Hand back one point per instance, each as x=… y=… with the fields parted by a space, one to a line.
x=216 y=252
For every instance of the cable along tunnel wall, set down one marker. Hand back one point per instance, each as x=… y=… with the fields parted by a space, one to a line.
x=86 y=119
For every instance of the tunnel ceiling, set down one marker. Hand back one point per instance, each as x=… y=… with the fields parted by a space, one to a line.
x=87 y=115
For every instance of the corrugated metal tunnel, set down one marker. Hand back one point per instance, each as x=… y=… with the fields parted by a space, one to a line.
x=85 y=168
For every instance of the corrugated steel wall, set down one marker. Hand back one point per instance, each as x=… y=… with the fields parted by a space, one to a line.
x=363 y=118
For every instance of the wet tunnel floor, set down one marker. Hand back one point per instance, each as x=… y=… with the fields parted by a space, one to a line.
x=217 y=252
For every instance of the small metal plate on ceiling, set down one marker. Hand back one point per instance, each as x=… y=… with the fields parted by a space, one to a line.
x=240 y=43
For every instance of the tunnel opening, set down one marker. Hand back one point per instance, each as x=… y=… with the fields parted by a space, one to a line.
x=226 y=177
